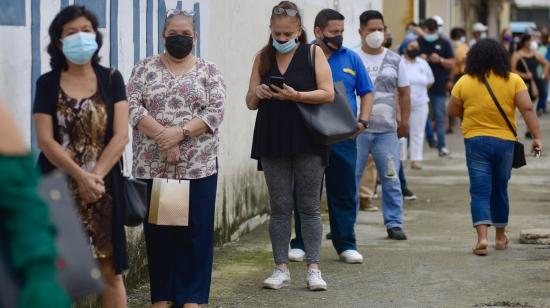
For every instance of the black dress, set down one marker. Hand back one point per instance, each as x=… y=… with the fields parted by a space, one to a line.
x=280 y=131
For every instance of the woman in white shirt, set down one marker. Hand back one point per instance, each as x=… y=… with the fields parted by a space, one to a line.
x=420 y=78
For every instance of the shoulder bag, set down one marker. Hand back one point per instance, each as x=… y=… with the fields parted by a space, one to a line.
x=534 y=90
x=332 y=122
x=519 y=150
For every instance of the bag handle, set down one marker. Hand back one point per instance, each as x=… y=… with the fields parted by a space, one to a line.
x=311 y=61
x=525 y=65
x=502 y=113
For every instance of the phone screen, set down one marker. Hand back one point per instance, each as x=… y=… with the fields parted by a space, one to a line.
x=276 y=81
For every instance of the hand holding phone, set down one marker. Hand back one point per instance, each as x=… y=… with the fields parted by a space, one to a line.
x=277 y=81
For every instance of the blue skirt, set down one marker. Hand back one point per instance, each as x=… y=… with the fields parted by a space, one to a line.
x=180 y=258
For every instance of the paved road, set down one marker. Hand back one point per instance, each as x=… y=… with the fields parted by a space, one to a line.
x=434 y=268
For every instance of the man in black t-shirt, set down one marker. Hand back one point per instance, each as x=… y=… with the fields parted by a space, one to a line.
x=439 y=54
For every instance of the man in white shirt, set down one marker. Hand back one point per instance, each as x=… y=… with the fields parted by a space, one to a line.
x=387 y=72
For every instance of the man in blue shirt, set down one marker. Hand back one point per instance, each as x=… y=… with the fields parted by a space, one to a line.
x=348 y=68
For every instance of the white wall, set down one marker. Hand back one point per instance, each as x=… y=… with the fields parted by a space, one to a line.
x=231 y=33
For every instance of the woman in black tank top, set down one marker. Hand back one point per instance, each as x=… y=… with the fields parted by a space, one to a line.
x=293 y=165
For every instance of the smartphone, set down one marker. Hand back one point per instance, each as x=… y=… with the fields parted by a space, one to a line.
x=276 y=81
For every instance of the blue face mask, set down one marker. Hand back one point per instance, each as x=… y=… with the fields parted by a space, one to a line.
x=285 y=47
x=430 y=38
x=79 y=47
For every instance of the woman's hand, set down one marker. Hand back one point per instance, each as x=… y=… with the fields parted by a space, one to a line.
x=172 y=155
x=263 y=92
x=90 y=187
x=169 y=138
x=286 y=93
x=536 y=147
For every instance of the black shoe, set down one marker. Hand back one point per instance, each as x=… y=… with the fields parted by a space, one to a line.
x=528 y=135
x=328 y=236
x=396 y=233
x=432 y=144
x=407 y=194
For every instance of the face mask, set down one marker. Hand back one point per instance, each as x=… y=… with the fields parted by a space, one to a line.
x=285 y=47
x=533 y=46
x=483 y=35
x=462 y=40
x=412 y=53
x=333 y=43
x=430 y=38
x=507 y=38
x=388 y=42
x=79 y=47
x=179 y=46
x=440 y=30
x=375 y=39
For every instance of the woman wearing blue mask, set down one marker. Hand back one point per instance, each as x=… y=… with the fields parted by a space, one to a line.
x=293 y=165
x=81 y=116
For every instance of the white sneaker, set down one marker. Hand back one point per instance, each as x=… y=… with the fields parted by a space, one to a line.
x=280 y=278
x=315 y=281
x=296 y=255
x=351 y=256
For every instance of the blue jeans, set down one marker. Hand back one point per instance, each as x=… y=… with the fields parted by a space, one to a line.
x=402 y=178
x=439 y=108
x=384 y=148
x=543 y=93
x=341 y=195
x=429 y=131
x=489 y=162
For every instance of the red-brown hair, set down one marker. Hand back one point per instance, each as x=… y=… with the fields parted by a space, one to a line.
x=267 y=53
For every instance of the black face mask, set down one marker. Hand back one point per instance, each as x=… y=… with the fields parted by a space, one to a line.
x=333 y=43
x=412 y=53
x=179 y=46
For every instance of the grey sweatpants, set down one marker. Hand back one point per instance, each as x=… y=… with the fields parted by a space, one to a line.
x=299 y=176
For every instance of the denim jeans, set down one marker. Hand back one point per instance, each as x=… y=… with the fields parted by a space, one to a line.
x=439 y=108
x=489 y=162
x=341 y=197
x=384 y=148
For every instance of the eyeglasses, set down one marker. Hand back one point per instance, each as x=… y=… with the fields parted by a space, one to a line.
x=288 y=12
x=177 y=12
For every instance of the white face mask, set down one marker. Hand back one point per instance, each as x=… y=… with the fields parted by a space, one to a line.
x=375 y=39
x=533 y=46
x=483 y=35
x=462 y=39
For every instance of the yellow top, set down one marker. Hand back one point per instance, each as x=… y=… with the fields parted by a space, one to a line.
x=481 y=116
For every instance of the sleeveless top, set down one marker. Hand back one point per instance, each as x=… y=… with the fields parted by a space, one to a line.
x=532 y=64
x=280 y=131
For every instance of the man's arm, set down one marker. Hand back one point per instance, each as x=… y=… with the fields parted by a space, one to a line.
x=405 y=106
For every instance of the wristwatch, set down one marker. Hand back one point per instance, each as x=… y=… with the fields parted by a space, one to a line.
x=364 y=122
x=186 y=133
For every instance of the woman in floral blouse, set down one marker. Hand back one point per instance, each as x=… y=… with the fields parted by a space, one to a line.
x=176 y=107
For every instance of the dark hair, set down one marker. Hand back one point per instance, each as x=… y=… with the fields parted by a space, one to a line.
x=325 y=16
x=431 y=24
x=457 y=33
x=486 y=56
x=369 y=15
x=66 y=15
x=523 y=40
x=267 y=53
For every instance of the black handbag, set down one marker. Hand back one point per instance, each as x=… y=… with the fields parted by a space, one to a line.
x=134 y=196
x=329 y=123
x=519 y=150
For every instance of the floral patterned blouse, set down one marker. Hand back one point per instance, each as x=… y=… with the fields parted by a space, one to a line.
x=173 y=100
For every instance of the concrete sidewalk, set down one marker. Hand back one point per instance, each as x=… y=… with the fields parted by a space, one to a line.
x=434 y=268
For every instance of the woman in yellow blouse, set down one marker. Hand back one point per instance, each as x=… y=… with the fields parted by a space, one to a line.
x=488 y=140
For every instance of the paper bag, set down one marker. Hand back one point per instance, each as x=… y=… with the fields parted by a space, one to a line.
x=169 y=202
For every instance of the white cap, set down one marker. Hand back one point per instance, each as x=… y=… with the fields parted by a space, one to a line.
x=479 y=27
x=439 y=20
